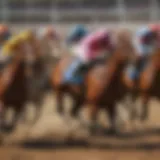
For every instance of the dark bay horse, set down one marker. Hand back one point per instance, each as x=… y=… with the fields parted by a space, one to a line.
x=17 y=93
x=38 y=77
x=14 y=94
x=102 y=83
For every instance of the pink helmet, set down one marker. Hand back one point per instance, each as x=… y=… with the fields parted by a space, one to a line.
x=103 y=33
x=104 y=36
x=155 y=27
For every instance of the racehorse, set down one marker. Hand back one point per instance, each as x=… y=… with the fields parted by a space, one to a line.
x=146 y=86
x=102 y=82
x=17 y=93
x=38 y=76
x=60 y=88
x=104 y=86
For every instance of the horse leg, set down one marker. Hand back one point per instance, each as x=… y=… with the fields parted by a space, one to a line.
x=38 y=106
x=93 y=113
x=145 y=107
x=59 y=100
x=112 y=116
x=133 y=113
x=76 y=107
x=17 y=116
x=3 y=125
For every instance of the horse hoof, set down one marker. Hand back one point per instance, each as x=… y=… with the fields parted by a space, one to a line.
x=143 y=119
x=7 y=128
x=61 y=114
x=95 y=129
x=111 y=132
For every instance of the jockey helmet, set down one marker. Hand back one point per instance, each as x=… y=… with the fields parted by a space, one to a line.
x=4 y=32
x=77 y=33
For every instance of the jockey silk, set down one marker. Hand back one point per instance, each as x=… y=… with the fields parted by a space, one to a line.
x=142 y=49
x=91 y=46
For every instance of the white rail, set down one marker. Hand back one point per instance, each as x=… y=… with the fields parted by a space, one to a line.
x=119 y=12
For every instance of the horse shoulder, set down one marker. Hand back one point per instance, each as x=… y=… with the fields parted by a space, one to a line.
x=59 y=69
x=95 y=82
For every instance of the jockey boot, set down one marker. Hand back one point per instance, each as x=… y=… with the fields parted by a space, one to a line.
x=138 y=67
x=80 y=70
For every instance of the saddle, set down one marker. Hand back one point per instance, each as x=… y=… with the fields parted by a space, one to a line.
x=84 y=68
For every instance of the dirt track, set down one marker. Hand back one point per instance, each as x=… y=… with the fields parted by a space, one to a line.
x=145 y=144
x=78 y=154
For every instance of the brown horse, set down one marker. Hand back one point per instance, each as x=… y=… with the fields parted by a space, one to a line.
x=38 y=76
x=102 y=83
x=75 y=91
x=17 y=93
x=147 y=85
x=13 y=94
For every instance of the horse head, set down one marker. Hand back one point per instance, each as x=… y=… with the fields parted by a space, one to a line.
x=123 y=47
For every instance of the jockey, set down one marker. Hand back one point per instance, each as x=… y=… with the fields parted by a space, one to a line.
x=92 y=47
x=10 y=45
x=156 y=28
x=26 y=35
x=76 y=34
x=8 y=50
x=4 y=33
x=31 y=41
x=144 y=43
x=48 y=33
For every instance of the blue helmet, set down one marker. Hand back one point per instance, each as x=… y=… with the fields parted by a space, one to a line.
x=147 y=34
x=77 y=33
x=143 y=31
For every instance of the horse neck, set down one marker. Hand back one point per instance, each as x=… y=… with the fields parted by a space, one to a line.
x=114 y=61
x=119 y=66
x=156 y=56
x=115 y=67
x=39 y=66
x=20 y=72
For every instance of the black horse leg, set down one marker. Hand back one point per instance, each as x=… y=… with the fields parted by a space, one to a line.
x=38 y=106
x=3 y=125
x=17 y=116
x=76 y=107
x=94 y=126
x=133 y=108
x=59 y=100
x=112 y=116
x=145 y=108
